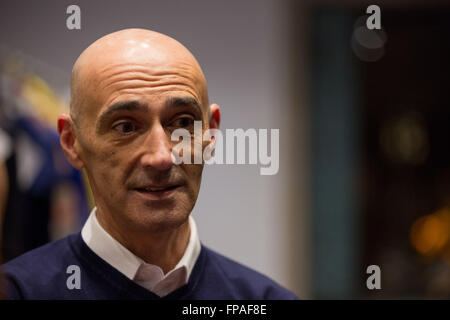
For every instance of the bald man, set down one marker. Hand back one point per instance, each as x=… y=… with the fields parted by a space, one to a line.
x=130 y=90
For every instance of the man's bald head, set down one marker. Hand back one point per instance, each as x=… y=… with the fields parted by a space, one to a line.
x=131 y=90
x=154 y=57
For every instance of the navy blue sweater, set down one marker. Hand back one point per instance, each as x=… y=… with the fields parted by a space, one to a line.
x=41 y=274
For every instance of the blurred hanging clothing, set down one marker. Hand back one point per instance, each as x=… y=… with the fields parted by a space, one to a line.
x=47 y=198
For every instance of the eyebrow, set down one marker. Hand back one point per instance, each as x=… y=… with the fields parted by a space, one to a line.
x=183 y=101
x=131 y=105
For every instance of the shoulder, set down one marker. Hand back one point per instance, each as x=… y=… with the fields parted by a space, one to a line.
x=36 y=268
x=47 y=256
x=248 y=283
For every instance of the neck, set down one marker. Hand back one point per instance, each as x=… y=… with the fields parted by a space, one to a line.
x=163 y=248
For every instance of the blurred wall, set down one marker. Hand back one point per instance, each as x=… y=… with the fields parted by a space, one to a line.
x=244 y=49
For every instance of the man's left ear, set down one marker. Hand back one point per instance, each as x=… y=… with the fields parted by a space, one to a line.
x=67 y=139
x=214 y=120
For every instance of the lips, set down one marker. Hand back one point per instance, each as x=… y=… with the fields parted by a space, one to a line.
x=156 y=192
x=156 y=188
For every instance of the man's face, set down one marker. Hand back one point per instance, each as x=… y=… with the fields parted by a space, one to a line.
x=123 y=138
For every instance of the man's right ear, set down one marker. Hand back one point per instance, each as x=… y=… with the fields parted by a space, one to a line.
x=67 y=137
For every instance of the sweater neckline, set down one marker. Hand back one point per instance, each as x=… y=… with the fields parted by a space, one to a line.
x=128 y=287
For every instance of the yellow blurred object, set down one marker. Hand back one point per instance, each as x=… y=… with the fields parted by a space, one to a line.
x=47 y=106
x=430 y=234
x=89 y=194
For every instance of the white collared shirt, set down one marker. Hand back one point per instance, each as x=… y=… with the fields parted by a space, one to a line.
x=134 y=268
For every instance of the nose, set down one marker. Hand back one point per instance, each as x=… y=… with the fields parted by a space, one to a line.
x=157 y=149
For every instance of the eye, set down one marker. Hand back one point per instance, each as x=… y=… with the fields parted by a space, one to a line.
x=183 y=122
x=125 y=127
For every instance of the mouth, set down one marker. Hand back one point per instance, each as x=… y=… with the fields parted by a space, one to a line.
x=157 y=192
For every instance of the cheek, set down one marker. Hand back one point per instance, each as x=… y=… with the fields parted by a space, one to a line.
x=109 y=165
x=194 y=176
x=103 y=164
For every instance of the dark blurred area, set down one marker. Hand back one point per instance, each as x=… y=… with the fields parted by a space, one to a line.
x=381 y=151
x=406 y=155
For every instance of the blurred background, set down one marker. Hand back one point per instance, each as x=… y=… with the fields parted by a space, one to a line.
x=363 y=114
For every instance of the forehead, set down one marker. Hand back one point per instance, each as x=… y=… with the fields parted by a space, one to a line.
x=143 y=73
x=146 y=82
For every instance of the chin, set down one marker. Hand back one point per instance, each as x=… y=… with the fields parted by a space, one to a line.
x=161 y=216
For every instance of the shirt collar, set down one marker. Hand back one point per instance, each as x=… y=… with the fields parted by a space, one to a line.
x=122 y=259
